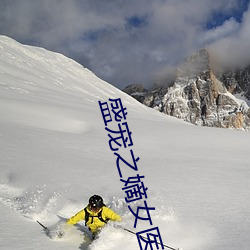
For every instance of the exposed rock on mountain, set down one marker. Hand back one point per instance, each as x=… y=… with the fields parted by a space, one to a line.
x=137 y=91
x=237 y=81
x=199 y=96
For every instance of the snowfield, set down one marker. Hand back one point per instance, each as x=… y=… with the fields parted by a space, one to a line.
x=55 y=154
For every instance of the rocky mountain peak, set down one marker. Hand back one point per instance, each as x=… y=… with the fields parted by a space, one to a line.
x=196 y=64
x=200 y=96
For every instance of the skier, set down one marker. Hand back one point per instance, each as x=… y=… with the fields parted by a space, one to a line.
x=95 y=214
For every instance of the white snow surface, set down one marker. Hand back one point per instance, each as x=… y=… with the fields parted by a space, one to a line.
x=55 y=154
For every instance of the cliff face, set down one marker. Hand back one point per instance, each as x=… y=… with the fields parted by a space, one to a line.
x=237 y=81
x=201 y=97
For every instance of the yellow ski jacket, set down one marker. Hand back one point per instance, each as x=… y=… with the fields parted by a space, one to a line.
x=94 y=223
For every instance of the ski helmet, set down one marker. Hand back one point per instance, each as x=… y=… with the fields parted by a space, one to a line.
x=95 y=202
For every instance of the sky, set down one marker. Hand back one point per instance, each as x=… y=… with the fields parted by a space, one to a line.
x=132 y=41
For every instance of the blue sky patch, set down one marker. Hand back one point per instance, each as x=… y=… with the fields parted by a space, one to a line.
x=136 y=21
x=219 y=17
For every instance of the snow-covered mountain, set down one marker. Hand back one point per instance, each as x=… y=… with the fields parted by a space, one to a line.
x=201 y=95
x=55 y=153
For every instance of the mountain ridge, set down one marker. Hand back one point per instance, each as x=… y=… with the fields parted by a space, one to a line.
x=201 y=95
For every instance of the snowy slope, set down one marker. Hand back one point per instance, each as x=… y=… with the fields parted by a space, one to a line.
x=55 y=154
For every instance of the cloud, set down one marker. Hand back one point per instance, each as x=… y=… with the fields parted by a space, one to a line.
x=123 y=42
x=233 y=49
x=228 y=28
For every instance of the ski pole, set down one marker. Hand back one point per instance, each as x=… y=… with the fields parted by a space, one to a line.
x=45 y=228
x=146 y=239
